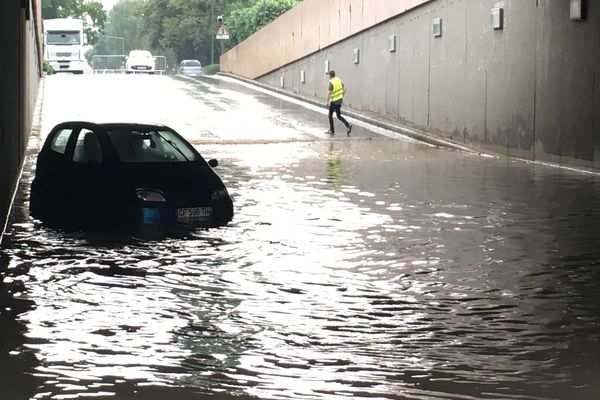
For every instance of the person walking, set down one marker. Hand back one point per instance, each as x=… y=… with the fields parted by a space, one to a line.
x=335 y=97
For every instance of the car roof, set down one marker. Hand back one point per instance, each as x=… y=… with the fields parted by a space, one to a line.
x=138 y=53
x=113 y=125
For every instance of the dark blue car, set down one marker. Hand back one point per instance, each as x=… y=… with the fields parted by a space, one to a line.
x=122 y=174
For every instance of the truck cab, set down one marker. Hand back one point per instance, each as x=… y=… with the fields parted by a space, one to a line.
x=64 y=42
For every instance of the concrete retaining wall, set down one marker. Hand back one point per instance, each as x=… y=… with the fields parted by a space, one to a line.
x=531 y=89
x=309 y=27
x=20 y=72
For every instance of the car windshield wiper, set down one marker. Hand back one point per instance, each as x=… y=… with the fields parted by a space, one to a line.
x=172 y=144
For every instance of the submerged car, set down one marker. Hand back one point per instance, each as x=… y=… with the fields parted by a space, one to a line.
x=140 y=61
x=190 y=68
x=123 y=174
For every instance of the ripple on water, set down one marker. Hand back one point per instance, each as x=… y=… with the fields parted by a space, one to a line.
x=323 y=289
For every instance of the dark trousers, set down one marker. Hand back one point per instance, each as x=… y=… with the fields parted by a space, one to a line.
x=337 y=108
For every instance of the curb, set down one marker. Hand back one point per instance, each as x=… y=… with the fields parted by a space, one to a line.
x=34 y=141
x=417 y=133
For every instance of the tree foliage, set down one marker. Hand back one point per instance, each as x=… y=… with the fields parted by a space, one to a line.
x=244 y=22
x=123 y=29
x=91 y=11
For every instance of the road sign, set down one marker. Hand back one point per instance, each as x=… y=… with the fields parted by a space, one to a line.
x=223 y=33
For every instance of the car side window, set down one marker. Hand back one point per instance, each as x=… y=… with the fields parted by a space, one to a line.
x=87 y=148
x=60 y=141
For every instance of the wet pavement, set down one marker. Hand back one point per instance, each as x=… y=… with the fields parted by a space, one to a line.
x=363 y=267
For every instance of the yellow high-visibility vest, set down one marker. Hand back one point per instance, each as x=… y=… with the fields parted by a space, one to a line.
x=337 y=93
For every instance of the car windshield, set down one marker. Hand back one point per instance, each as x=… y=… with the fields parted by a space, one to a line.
x=192 y=63
x=143 y=146
x=63 y=37
x=140 y=54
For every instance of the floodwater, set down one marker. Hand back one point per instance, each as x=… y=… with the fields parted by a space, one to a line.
x=364 y=268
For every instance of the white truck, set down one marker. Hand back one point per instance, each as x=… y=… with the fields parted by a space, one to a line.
x=64 y=42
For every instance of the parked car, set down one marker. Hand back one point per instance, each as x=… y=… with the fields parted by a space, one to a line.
x=140 y=61
x=124 y=174
x=190 y=68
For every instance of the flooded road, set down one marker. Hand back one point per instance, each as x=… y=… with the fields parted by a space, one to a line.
x=366 y=268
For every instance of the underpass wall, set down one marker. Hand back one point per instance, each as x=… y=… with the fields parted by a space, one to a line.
x=530 y=89
x=20 y=72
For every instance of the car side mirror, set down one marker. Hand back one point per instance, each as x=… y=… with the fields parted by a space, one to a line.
x=213 y=163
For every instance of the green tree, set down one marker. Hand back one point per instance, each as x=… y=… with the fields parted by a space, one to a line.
x=243 y=22
x=91 y=11
x=125 y=20
x=186 y=29
x=180 y=25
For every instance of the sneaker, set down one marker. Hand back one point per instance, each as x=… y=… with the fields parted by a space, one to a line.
x=349 y=129
x=330 y=133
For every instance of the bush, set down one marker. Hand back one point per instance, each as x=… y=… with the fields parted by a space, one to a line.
x=211 y=69
x=47 y=68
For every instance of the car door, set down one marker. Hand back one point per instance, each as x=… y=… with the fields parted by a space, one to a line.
x=87 y=180
x=50 y=188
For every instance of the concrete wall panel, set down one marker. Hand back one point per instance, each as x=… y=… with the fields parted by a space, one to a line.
x=548 y=75
x=496 y=106
x=447 y=65
x=475 y=53
x=370 y=73
x=293 y=36
x=312 y=72
x=333 y=21
x=370 y=13
x=420 y=67
x=356 y=16
x=576 y=93
x=474 y=123
x=595 y=15
x=519 y=56
x=391 y=71
x=345 y=17
x=405 y=53
x=310 y=32
x=531 y=89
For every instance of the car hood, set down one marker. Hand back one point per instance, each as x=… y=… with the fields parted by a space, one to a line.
x=141 y=60
x=184 y=184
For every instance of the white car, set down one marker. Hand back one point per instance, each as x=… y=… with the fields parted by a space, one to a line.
x=140 y=61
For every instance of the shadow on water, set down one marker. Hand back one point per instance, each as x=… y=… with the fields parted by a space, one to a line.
x=17 y=363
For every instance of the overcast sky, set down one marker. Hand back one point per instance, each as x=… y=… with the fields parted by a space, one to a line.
x=108 y=4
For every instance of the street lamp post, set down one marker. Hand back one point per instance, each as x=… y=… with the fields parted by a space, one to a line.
x=212 y=34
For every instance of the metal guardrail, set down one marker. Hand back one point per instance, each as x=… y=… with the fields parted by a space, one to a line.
x=115 y=64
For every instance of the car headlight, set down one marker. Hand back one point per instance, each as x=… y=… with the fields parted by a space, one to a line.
x=219 y=194
x=150 y=195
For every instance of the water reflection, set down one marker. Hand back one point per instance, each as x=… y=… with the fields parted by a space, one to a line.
x=351 y=269
x=334 y=167
x=16 y=361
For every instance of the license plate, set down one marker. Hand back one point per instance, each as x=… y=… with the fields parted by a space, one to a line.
x=194 y=213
